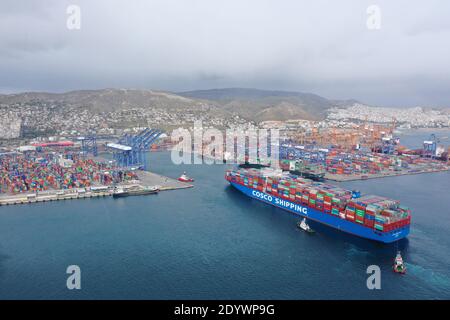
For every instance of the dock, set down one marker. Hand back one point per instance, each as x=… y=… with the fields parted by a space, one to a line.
x=385 y=174
x=47 y=196
x=146 y=179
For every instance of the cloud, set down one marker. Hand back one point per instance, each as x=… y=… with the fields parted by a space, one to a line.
x=317 y=46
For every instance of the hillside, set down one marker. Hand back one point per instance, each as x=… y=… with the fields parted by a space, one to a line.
x=104 y=100
x=251 y=104
x=260 y=105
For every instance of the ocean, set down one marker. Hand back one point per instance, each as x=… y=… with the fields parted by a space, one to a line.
x=212 y=242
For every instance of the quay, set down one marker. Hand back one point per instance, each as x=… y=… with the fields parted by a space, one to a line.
x=385 y=174
x=46 y=196
x=146 y=179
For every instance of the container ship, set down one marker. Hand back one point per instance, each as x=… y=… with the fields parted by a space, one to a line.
x=371 y=217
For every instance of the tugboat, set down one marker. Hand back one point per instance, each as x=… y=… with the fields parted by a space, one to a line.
x=399 y=266
x=120 y=192
x=185 y=178
x=304 y=226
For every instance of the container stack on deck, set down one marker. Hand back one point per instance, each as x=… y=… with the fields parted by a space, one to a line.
x=379 y=213
x=374 y=212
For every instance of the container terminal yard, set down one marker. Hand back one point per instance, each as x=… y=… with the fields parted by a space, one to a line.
x=364 y=152
x=340 y=165
x=54 y=170
x=61 y=170
x=349 y=166
x=367 y=151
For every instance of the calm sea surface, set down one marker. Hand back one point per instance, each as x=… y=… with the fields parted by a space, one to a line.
x=213 y=242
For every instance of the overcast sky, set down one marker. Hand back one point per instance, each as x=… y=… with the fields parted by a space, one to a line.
x=324 y=47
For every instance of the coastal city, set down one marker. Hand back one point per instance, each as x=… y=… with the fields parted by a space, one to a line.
x=218 y=157
x=354 y=143
x=37 y=120
x=51 y=150
x=406 y=118
x=41 y=120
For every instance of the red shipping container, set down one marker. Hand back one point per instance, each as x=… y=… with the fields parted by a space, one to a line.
x=369 y=223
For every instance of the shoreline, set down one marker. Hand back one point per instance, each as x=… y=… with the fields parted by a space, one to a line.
x=146 y=178
x=345 y=178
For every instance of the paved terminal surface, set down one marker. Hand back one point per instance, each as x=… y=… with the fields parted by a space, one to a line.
x=51 y=195
x=147 y=178
x=352 y=177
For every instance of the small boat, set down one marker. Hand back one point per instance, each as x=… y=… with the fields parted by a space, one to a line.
x=185 y=178
x=304 y=226
x=120 y=192
x=399 y=266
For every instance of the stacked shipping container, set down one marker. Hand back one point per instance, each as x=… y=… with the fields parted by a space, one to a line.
x=374 y=212
x=24 y=174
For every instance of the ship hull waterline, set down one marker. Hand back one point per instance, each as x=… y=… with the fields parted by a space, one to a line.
x=324 y=218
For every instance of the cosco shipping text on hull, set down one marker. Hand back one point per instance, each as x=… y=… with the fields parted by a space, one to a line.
x=326 y=217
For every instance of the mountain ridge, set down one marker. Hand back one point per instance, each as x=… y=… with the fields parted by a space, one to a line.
x=252 y=104
x=264 y=105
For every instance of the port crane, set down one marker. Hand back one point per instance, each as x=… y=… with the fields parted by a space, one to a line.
x=89 y=144
x=131 y=150
x=430 y=146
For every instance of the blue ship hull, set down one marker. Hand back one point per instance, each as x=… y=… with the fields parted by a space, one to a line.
x=327 y=219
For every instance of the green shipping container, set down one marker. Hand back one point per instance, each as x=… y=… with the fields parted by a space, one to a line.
x=378 y=227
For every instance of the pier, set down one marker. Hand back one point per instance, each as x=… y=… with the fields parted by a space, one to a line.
x=49 y=196
x=383 y=174
x=146 y=179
